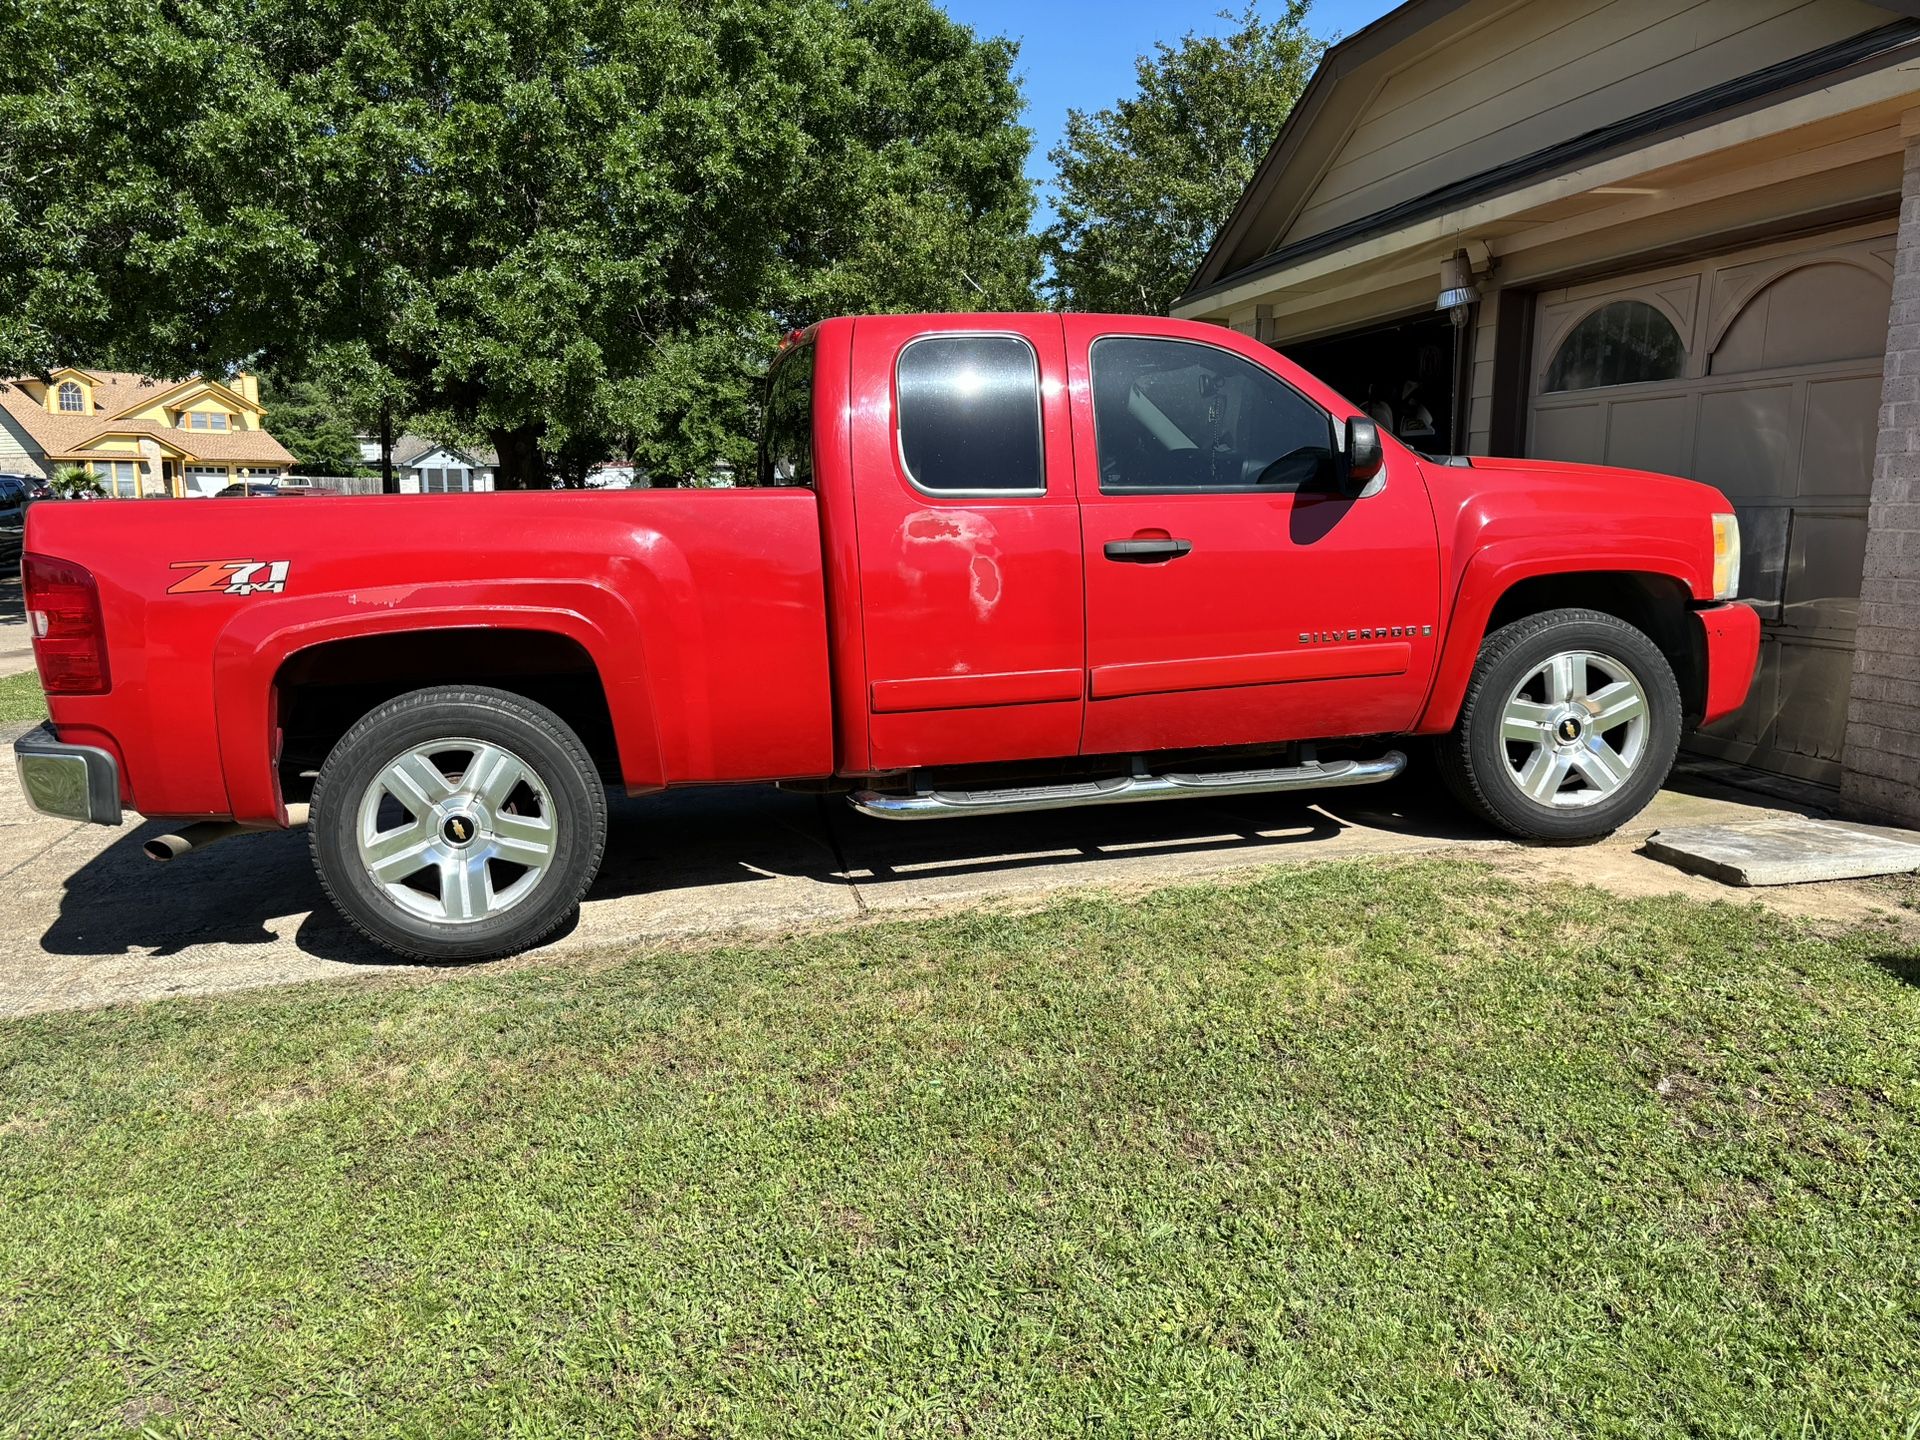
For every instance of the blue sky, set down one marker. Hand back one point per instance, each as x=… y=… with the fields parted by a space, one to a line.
x=1079 y=54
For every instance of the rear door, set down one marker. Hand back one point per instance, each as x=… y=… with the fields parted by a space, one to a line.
x=1233 y=597
x=968 y=539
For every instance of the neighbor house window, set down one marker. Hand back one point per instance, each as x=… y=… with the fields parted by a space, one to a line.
x=446 y=482
x=203 y=420
x=72 y=399
x=119 y=478
x=1625 y=343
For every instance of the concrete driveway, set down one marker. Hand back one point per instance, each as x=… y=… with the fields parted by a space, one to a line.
x=87 y=920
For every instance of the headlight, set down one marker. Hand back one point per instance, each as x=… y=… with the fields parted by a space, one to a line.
x=1726 y=556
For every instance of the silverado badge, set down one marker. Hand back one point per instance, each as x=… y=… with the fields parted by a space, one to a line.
x=231 y=577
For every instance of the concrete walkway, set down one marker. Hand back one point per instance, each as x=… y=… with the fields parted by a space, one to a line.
x=88 y=921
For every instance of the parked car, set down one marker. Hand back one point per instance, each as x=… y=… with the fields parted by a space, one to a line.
x=992 y=563
x=248 y=490
x=39 y=490
x=15 y=493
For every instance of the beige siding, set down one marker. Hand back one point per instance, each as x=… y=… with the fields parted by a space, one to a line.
x=19 y=455
x=1519 y=77
x=1480 y=398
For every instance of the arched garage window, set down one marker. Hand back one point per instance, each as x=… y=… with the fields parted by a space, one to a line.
x=1627 y=342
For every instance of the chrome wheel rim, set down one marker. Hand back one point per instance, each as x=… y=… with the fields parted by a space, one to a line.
x=1575 y=730
x=456 y=831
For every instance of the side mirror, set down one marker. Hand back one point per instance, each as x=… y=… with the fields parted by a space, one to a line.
x=1364 y=457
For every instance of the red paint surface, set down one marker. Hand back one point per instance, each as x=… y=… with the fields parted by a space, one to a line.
x=1732 y=634
x=868 y=626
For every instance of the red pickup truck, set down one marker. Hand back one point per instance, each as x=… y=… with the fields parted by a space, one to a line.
x=990 y=563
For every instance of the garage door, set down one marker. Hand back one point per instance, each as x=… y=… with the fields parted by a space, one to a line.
x=1758 y=373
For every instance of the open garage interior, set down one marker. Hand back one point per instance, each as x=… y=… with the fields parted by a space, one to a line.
x=1402 y=374
x=1684 y=239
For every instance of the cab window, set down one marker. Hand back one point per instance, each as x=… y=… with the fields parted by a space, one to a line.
x=969 y=415
x=786 y=449
x=1178 y=416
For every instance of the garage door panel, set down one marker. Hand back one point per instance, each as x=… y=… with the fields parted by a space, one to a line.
x=1843 y=424
x=1568 y=433
x=1777 y=405
x=1763 y=551
x=1810 y=676
x=1746 y=443
x=1823 y=571
x=1650 y=434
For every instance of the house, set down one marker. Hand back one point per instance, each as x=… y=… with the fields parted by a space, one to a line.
x=139 y=437
x=424 y=466
x=1658 y=235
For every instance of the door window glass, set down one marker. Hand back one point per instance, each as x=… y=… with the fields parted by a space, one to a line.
x=1171 y=416
x=970 y=415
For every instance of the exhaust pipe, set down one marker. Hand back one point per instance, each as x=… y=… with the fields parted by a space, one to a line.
x=163 y=848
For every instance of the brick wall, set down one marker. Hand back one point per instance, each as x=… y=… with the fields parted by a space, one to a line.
x=1882 y=761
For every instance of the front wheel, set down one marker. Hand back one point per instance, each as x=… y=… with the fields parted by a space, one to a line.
x=458 y=824
x=1570 y=725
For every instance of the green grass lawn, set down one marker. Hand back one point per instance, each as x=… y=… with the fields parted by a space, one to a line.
x=21 y=700
x=1354 y=1150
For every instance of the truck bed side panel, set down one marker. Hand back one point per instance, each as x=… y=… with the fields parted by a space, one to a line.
x=702 y=610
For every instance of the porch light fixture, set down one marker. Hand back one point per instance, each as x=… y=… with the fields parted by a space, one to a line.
x=1457 y=290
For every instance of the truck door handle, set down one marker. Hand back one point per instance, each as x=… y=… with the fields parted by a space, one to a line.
x=1146 y=552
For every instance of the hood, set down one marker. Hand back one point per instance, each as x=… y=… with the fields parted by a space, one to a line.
x=1610 y=479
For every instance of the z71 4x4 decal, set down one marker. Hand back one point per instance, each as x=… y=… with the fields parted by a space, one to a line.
x=231 y=577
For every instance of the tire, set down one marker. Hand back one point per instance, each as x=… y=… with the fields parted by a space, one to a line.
x=1570 y=725
x=494 y=797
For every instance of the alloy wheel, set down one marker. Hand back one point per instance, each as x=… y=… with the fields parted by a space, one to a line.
x=1575 y=729
x=456 y=830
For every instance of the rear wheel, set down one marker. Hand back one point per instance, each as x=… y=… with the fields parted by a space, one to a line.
x=458 y=824
x=1569 y=728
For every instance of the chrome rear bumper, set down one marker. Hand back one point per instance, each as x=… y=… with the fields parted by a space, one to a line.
x=70 y=782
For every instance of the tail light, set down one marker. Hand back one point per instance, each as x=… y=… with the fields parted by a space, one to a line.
x=63 y=613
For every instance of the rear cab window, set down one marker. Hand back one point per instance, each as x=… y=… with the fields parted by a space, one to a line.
x=969 y=415
x=786 y=444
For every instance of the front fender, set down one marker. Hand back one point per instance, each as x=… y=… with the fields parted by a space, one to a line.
x=1492 y=572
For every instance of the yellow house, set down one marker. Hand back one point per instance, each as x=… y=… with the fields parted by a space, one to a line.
x=139 y=437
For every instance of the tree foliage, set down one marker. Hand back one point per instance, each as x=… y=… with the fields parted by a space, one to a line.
x=313 y=424
x=1144 y=185
x=564 y=223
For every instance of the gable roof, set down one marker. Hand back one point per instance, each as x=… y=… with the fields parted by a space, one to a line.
x=1399 y=121
x=412 y=449
x=61 y=435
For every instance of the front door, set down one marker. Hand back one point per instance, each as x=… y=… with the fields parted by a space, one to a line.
x=1233 y=597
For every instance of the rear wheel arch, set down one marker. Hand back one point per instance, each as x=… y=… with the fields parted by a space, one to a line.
x=321 y=690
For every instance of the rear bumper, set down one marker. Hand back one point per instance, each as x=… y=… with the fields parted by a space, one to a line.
x=1731 y=636
x=71 y=782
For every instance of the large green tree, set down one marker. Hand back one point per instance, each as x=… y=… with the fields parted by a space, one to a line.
x=1143 y=185
x=561 y=223
x=313 y=424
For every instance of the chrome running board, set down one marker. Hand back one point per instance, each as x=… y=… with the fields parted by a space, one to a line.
x=1124 y=789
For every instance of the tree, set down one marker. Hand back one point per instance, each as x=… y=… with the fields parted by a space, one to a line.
x=1144 y=185
x=313 y=424
x=556 y=221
